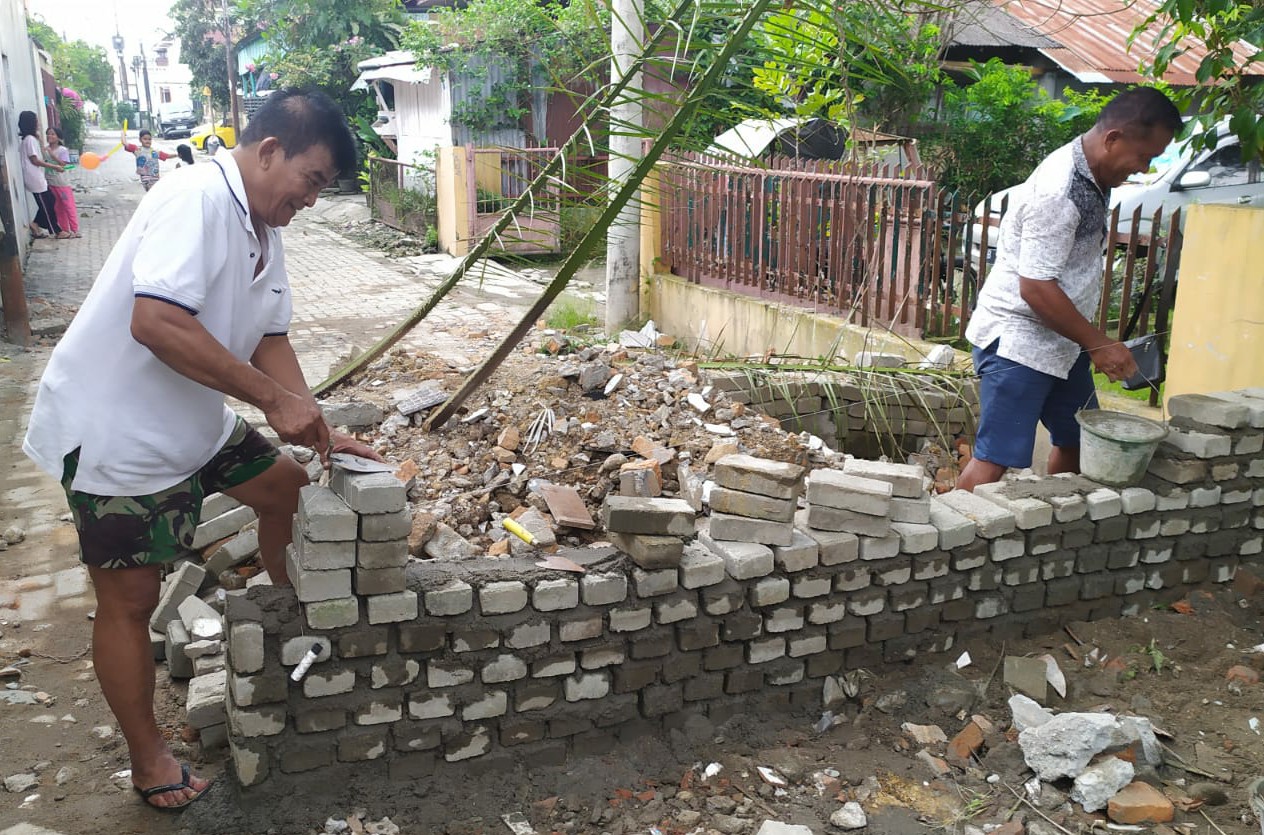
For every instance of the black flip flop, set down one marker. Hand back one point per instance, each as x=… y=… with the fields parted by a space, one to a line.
x=171 y=787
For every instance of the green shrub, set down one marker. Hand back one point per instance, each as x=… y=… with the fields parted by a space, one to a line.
x=569 y=313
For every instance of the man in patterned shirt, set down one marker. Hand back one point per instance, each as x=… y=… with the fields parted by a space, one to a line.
x=1032 y=330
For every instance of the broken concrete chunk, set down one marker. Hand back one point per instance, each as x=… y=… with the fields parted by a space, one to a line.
x=354 y=414
x=447 y=544
x=1027 y=713
x=1064 y=746
x=201 y=621
x=1097 y=784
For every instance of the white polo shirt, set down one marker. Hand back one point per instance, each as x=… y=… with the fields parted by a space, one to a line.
x=140 y=426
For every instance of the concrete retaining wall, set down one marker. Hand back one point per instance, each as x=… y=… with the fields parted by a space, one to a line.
x=477 y=664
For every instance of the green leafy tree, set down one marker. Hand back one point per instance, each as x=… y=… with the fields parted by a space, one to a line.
x=1001 y=125
x=864 y=62
x=199 y=25
x=76 y=64
x=317 y=24
x=1225 y=29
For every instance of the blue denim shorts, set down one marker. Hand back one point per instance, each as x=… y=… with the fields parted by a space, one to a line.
x=1013 y=397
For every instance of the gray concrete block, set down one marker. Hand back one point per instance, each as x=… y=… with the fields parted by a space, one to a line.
x=376 y=581
x=880 y=547
x=603 y=589
x=393 y=608
x=660 y=517
x=324 y=517
x=369 y=493
x=1254 y=406
x=906 y=480
x=769 y=591
x=844 y=491
x=1007 y=547
x=990 y=519
x=293 y=650
x=700 y=567
x=955 y=530
x=849 y=521
x=1174 y=499
x=1068 y=508
x=245 y=647
x=630 y=620
x=1178 y=471
x=500 y=669
x=911 y=511
x=453 y=598
x=648 y=551
x=233 y=552
x=185 y=582
x=384 y=527
x=800 y=555
x=222 y=526
x=1205 y=496
x=158 y=643
x=450 y=674
x=1104 y=503
x=321 y=556
x=555 y=595
x=757 y=475
x=1209 y=410
x=202 y=622
x=668 y=611
x=217 y=504
x=1137 y=500
x=179 y=665
x=833 y=547
x=311 y=586
x=205 y=702
x=328 y=682
x=654 y=583
x=391 y=553
x=751 y=505
x=722 y=526
x=868 y=602
x=502 y=597
x=916 y=539
x=742 y=560
x=1029 y=513
x=1197 y=444
x=332 y=614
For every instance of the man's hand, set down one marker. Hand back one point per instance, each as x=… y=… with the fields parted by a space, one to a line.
x=1114 y=360
x=298 y=420
x=348 y=444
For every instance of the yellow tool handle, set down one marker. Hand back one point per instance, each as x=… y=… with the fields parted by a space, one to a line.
x=518 y=530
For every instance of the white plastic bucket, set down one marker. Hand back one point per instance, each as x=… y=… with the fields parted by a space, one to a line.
x=1116 y=447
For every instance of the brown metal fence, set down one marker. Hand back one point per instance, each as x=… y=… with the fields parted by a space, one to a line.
x=885 y=248
x=402 y=195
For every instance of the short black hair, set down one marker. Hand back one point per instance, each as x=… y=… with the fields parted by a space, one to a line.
x=144 y=132
x=1140 y=110
x=299 y=119
x=28 y=123
x=185 y=153
x=61 y=137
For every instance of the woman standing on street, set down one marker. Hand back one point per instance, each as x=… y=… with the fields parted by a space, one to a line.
x=33 y=166
x=59 y=184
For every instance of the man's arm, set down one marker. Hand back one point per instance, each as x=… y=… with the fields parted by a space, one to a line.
x=1048 y=300
x=275 y=357
x=177 y=338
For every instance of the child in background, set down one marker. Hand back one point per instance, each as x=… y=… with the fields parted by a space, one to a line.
x=59 y=184
x=147 y=158
x=186 y=155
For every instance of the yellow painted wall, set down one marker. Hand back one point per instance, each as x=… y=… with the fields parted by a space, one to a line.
x=729 y=323
x=1217 y=339
x=487 y=171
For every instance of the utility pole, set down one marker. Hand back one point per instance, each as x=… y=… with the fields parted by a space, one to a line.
x=118 y=49
x=623 y=242
x=149 y=104
x=232 y=74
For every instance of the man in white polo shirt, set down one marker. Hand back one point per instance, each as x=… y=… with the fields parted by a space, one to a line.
x=193 y=304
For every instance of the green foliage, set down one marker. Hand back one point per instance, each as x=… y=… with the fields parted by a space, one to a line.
x=570 y=313
x=200 y=27
x=331 y=69
x=998 y=128
x=854 y=63
x=109 y=118
x=531 y=44
x=1224 y=89
x=318 y=24
x=76 y=64
x=71 y=122
x=126 y=113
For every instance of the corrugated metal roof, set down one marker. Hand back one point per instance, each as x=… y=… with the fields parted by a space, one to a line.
x=980 y=23
x=1094 y=39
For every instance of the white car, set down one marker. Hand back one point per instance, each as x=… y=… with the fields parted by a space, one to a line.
x=1179 y=177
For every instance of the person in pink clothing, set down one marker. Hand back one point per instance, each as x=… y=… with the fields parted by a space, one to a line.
x=57 y=152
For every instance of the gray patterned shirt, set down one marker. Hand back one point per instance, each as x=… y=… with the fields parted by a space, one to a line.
x=1054 y=230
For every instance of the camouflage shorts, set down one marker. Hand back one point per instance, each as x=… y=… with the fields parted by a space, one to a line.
x=131 y=531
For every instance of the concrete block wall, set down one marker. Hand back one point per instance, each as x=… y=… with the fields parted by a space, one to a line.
x=868 y=414
x=477 y=664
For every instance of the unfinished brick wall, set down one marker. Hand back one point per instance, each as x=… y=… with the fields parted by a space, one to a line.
x=476 y=664
x=868 y=414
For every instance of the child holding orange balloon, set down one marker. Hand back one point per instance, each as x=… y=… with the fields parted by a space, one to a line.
x=67 y=211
